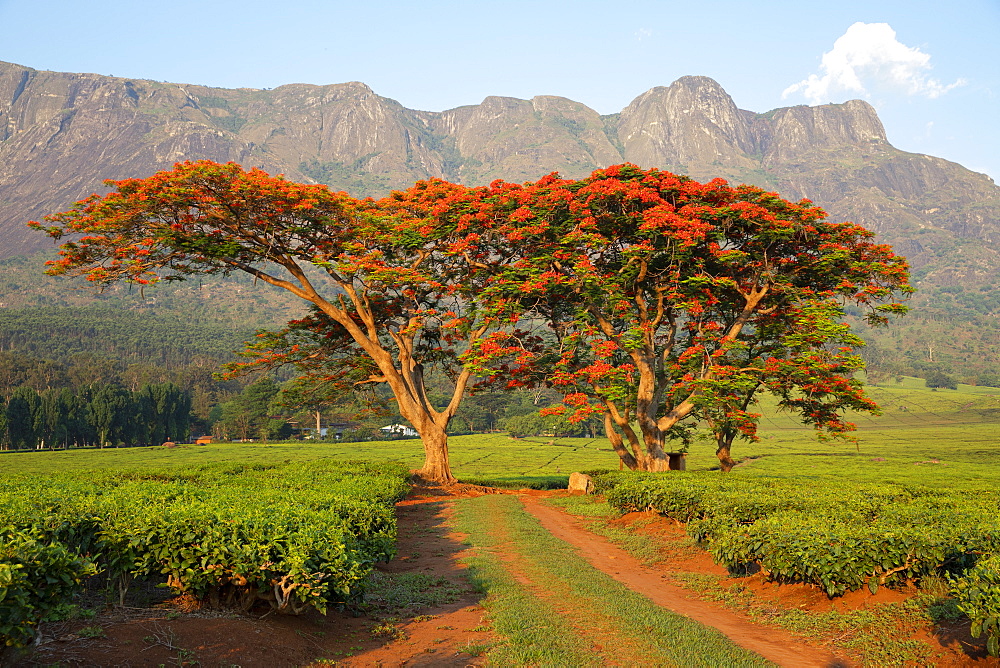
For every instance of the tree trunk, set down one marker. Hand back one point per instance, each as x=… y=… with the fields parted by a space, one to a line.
x=726 y=462
x=657 y=460
x=436 y=467
x=652 y=458
x=618 y=444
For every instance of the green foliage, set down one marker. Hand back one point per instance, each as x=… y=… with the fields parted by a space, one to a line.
x=231 y=122
x=977 y=594
x=935 y=337
x=185 y=320
x=96 y=415
x=247 y=415
x=537 y=424
x=840 y=537
x=20 y=416
x=117 y=333
x=937 y=378
x=36 y=578
x=351 y=178
x=296 y=535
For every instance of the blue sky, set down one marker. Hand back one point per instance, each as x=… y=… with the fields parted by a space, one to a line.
x=931 y=69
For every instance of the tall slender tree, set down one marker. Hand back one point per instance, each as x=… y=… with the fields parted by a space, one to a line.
x=52 y=418
x=21 y=413
x=111 y=413
x=4 y=435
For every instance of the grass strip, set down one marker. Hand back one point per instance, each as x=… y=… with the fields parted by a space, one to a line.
x=533 y=633
x=536 y=633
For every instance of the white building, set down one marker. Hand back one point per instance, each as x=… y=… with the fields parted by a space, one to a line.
x=398 y=430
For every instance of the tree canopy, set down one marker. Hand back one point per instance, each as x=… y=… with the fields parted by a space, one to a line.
x=674 y=301
x=395 y=279
x=668 y=301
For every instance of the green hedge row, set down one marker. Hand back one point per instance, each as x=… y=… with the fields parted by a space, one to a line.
x=298 y=536
x=36 y=578
x=977 y=594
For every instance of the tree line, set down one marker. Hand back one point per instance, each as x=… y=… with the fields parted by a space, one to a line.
x=98 y=415
x=238 y=409
x=81 y=370
x=646 y=299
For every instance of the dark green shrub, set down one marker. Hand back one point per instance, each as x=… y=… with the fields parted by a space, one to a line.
x=977 y=594
x=36 y=578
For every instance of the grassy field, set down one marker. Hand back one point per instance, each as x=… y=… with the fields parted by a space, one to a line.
x=494 y=457
x=937 y=436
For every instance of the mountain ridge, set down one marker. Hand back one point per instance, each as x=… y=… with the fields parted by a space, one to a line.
x=62 y=134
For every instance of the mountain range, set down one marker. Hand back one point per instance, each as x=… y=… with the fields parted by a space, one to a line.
x=62 y=134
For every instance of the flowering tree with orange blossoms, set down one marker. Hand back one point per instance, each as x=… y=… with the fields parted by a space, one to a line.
x=670 y=301
x=675 y=302
x=394 y=281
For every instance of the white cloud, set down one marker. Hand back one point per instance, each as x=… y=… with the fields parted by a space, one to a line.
x=643 y=33
x=867 y=56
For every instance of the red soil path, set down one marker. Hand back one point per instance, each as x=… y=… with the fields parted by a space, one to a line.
x=773 y=644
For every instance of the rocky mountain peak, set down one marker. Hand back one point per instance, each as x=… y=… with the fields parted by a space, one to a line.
x=692 y=122
x=796 y=129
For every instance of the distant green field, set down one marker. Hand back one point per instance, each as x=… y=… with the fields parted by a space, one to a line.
x=934 y=436
x=941 y=437
x=496 y=457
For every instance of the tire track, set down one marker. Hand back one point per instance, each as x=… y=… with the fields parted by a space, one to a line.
x=773 y=644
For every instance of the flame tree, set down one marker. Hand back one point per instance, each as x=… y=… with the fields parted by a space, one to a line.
x=394 y=281
x=671 y=301
x=675 y=302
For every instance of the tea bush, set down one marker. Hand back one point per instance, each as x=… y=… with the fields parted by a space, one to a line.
x=298 y=536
